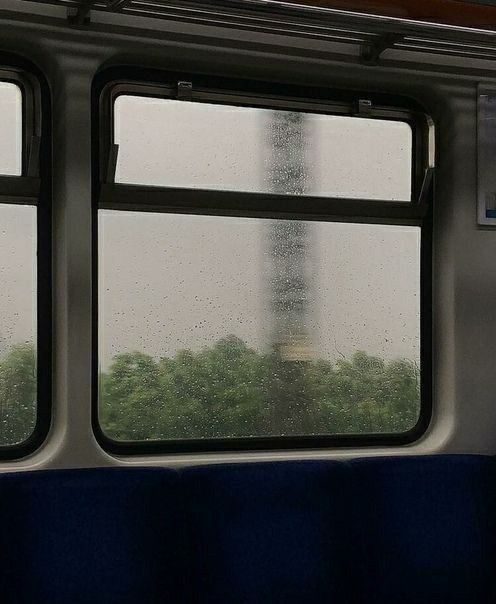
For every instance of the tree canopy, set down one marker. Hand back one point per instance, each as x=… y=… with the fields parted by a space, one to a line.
x=17 y=394
x=228 y=390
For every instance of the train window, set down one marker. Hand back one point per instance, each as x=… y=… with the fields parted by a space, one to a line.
x=24 y=416
x=166 y=142
x=259 y=275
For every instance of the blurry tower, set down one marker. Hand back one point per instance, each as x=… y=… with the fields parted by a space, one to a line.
x=288 y=247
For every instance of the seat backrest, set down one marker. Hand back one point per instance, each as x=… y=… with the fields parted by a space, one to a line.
x=271 y=532
x=91 y=536
x=382 y=530
x=385 y=530
x=428 y=529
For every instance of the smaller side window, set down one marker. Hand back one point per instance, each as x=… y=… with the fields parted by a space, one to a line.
x=24 y=251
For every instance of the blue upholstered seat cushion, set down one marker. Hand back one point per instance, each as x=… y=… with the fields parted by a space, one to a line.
x=428 y=529
x=91 y=536
x=270 y=533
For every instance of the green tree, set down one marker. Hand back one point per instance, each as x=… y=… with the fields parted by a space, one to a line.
x=224 y=391
x=364 y=394
x=216 y=392
x=131 y=399
x=17 y=394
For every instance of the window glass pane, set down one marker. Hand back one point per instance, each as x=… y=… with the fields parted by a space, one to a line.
x=165 y=142
x=17 y=323
x=10 y=129
x=215 y=327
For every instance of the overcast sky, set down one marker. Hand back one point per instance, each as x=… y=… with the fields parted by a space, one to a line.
x=169 y=282
x=172 y=282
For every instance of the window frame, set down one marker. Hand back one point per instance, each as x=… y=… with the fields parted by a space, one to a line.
x=33 y=188
x=117 y=81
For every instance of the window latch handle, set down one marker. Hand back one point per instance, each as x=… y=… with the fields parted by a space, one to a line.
x=34 y=157
x=112 y=163
x=184 y=90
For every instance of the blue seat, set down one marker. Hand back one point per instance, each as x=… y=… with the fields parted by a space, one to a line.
x=270 y=533
x=91 y=536
x=387 y=530
x=391 y=530
x=428 y=529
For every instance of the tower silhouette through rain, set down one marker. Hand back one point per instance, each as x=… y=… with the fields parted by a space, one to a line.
x=289 y=243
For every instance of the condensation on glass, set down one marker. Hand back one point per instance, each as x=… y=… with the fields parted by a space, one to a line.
x=165 y=142
x=10 y=129
x=221 y=327
x=18 y=276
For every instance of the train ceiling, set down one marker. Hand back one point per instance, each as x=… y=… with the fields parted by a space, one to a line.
x=447 y=27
